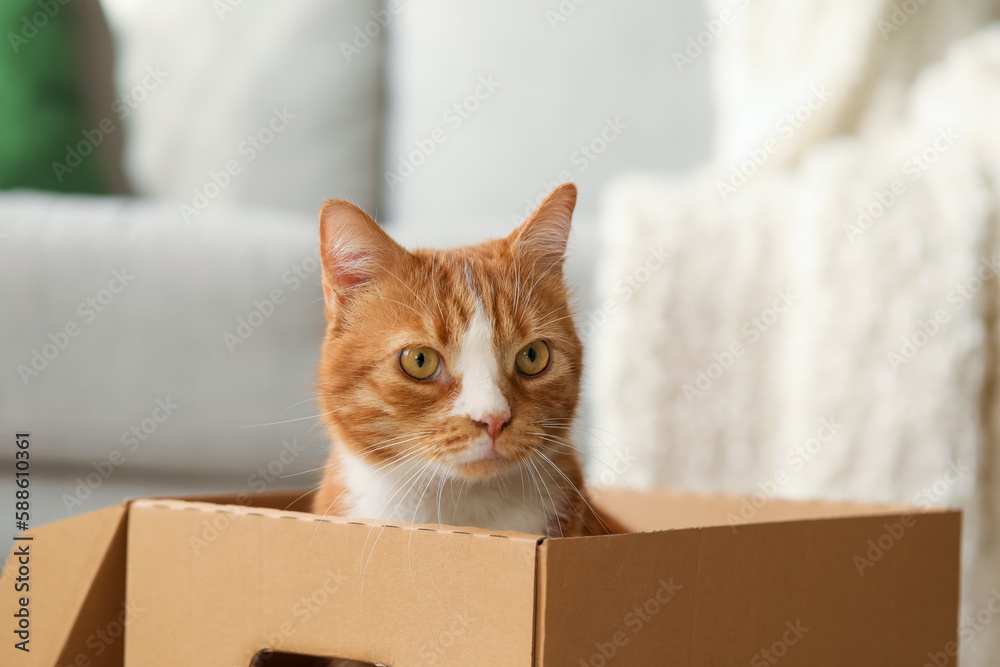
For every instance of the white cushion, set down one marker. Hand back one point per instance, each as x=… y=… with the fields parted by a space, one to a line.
x=225 y=76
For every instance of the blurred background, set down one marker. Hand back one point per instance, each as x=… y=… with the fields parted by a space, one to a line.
x=785 y=252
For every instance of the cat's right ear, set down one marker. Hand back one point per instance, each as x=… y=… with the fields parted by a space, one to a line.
x=354 y=250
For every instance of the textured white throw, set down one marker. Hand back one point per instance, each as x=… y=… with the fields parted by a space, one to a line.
x=827 y=321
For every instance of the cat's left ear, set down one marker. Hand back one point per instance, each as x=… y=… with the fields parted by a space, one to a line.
x=354 y=250
x=542 y=238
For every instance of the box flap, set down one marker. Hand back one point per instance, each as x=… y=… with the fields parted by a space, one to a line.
x=863 y=591
x=77 y=588
x=228 y=581
x=665 y=509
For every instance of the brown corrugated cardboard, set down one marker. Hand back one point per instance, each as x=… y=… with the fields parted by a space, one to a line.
x=718 y=581
x=298 y=587
x=76 y=573
x=712 y=596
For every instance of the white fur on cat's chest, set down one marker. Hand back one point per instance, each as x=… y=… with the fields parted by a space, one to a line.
x=391 y=494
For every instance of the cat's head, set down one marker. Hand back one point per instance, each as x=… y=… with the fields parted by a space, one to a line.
x=467 y=358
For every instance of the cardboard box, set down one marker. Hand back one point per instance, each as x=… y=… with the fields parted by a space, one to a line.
x=714 y=581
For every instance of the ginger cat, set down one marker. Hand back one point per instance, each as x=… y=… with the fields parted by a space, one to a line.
x=449 y=379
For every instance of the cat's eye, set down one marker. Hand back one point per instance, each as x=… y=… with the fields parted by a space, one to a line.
x=420 y=363
x=533 y=358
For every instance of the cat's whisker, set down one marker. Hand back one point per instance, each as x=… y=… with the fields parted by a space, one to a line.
x=311 y=398
x=400 y=460
x=380 y=514
x=524 y=499
x=393 y=463
x=418 y=475
x=551 y=312
x=400 y=488
x=409 y=457
x=520 y=320
x=517 y=277
x=306 y=472
x=538 y=488
x=580 y=493
x=413 y=520
x=564 y=443
x=394 y=439
x=569 y=501
x=460 y=491
x=313 y=490
x=297 y=419
x=552 y=321
x=314 y=426
x=327 y=511
x=437 y=298
x=386 y=446
x=503 y=483
x=392 y=442
x=537 y=280
x=426 y=319
x=439 y=494
x=553 y=423
x=555 y=511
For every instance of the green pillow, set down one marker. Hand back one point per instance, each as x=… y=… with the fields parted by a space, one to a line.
x=43 y=122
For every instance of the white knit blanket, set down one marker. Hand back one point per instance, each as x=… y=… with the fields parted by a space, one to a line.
x=827 y=322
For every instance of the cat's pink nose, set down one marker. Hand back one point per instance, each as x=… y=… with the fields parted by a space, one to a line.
x=493 y=424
